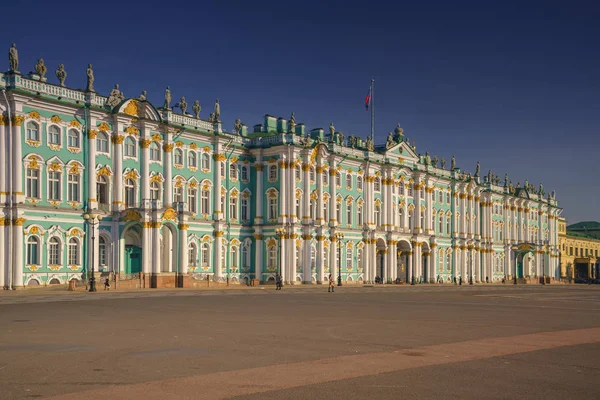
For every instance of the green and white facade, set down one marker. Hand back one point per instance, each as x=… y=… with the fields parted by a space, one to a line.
x=179 y=195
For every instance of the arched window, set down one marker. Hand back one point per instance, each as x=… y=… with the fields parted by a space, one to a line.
x=192 y=256
x=233 y=207
x=130 y=147
x=349 y=181
x=338 y=210
x=349 y=213
x=272 y=256
x=348 y=258
x=401 y=189
x=222 y=166
x=359 y=213
x=326 y=210
x=205 y=254
x=193 y=200
x=441 y=225
x=359 y=256
x=422 y=220
x=154 y=152
x=54 y=135
x=233 y=172
x=73 y=252
x=205 y=161
x=245 y=209
x=73 y=185
x=33 y=131
x=338 y=179
x=410 y=190
x=33 y=251
x=359 y=182
x=234 y=257
x=298 y=207
x=298 y=173
x=102 y=251
x=245 y=256
x=129 y=193
x=245 y=174
x=102 y=143
x=272 y=173
x=440 y=196
x=33 y=183
x=192 y=159
x=273 y=205
x=441 y=256
x=54 y=252
x=178 y=194
x=205 y=201
x=410 y=219
x=73 y=138
x=401 y=214
x=102 y=189
x=377 y=214
x=377 y=186
x=448 y=225
x=178 y=157
x=448 y=261
x=154 y=191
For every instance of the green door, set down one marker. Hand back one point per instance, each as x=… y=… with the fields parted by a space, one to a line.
x=519 y=269
x=133 y=259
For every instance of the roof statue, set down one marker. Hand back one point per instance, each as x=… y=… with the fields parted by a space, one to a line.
x=477 y=169
x=369 y=144
x=183 y=105
x=292 y=124
x=211 y=117
x=90 y=78
x=453 y=163
x=341 y=138
x=414 y=145
x=435 y=161
x=167 y=105
x=41 y=69
x=115 y=97
x=443 y=163
x=196 y=108
x=542 y=190
x=526 y=185
x=13 y=58
x=427 y=158
x=217 y=111
x=505 y=180
x=398 y=133
x=390 y=141
x=351 y=141
x=143 y=96
x=61 y=74
x=331 y=129
x=237 y=127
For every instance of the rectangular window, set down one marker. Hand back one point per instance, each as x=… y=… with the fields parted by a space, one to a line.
x=73 y=190
x=349 y=213
x=360 y=216
x=192 y=200
x=73 y=258
x=244 y=205
x=54 y=185
x=233 y=212
x=33 y=181
x=205 y=202
x=272 y=209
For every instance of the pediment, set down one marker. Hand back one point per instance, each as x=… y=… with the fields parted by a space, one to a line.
x=402 y=150
x=139 y=109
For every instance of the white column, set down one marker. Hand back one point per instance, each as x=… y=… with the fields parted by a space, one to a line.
x=333 y=249
x=183 y=245
x=157 y=262
x=218 y=254
x=410 y=266
x=168 y=171
x=118 y=176
x=259 y=251
x=305 y=217
x=282 y=267
x=319 y=203
x=320 y=257
x=417 y=203
x=18 y=250
x=218 y=213
x=292 y=257
x=145 y=168
x=3 y=165
x=418 y=261
x=433 y=264
x=332 y=195
x=258 y=219
x=18 y=170
x=147 y=246
x=283 y=194
x=428 y=204
x=3 y=265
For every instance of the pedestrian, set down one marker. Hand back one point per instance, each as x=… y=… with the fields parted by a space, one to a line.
x=278 y=284
x=331 y=287
x=487 y=280
x=460 y=280
x=106 y=284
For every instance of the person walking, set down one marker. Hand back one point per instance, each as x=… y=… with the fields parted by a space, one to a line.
x=106 y=284
x=331 y=287
x=278 y=284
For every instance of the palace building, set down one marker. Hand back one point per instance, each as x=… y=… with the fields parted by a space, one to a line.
x=579 y=252
x=182 y=196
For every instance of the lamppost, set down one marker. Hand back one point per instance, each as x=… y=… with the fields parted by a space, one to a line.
x=92 y=220
x=338 y=236
x=281 y=233
x=544 y=262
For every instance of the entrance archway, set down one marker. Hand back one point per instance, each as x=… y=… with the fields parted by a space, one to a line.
x=403 y=264
x=168 y=246
x=133 y=250
x=524 y=261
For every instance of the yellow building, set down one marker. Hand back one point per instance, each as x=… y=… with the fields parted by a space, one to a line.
x=579 y=253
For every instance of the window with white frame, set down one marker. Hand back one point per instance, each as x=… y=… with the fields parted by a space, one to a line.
x=102 y=143
x=272 y=173
x=273 y=207
x=298 y=173
x=410 y=219
x=245 y=256
x=377 y=185
x=234 y=257
x=54 y=135
x=441 y=224
x=349 y=213
x=313 y=258
x=32 y=188
x=422 y=193
x=192 y=159
x=440 y=196
x=154 y=191
x=33 y=251
x=448 y=198
x=33 y=131
x=233 y=207
x=422 y=220
x=102 y=251
x=312 y=174
x=298 y=210
x=245 y=212
x=155 y=154
x=205 y=161
x=233 y=172
x=102 y=189
x=73 y=252
x=73 y=139
x=73 y=183
x=54 y=185
x=130 y=147
x=54 y=252
x=349 y=181
x=193 y=200
x=377 y=214
x=192 y=255
x=359 y=182
x=205 y=201
x=359 y=215
x=410 y=190
x=272 y=256
x=178 y=157
x=325 y=178
x=205 y=254
x=245 y=174
x=130 y=193
x=222 y=166
x=401 y=215
x=401 y=189
x=338 y=211
x=338 y=179
x=349 y=258
x=178 y=194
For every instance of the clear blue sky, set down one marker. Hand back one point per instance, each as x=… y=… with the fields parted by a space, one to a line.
x=514 y=85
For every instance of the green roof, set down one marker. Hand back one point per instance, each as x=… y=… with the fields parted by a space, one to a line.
x=580 y=235
x=584 y=225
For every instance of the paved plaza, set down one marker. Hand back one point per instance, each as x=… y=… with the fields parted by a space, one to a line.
x=421 y=342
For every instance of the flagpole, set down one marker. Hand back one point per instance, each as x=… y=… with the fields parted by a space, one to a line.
x=373 y=111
